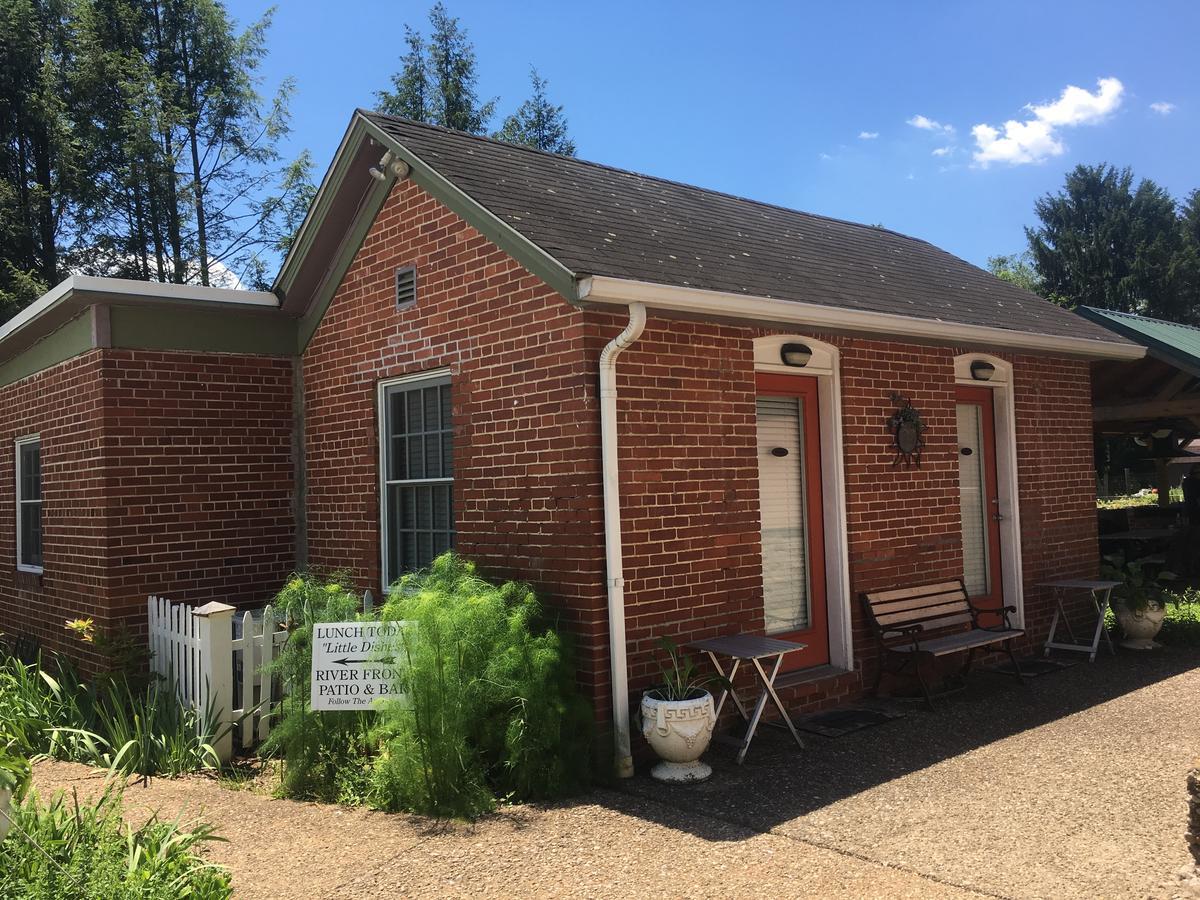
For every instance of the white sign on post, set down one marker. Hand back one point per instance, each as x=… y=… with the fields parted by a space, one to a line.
x=355 y=664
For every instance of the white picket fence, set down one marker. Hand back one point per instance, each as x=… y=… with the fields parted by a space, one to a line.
x=215 y=671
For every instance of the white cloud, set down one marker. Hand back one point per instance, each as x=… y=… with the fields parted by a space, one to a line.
x=943 y=151
x=1036 y=140
x=868 y=135
x=824 y=156
x=1163 y=108
x=927 y=124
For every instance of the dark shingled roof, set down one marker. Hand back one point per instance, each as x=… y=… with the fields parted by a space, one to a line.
x=598 y=220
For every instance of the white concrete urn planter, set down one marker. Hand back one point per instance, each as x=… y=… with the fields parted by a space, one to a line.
x=5 y=811
x=1140 y=626
x=679 y=732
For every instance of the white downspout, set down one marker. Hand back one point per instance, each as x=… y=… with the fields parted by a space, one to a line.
x=612 y=535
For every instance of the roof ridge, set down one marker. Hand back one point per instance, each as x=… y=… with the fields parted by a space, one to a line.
x=1129 y=315
x=597 y=165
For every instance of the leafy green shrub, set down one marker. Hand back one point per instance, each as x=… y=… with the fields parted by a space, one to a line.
x=109 y=723
x=326 y=754
x=62 y=850
x=491 y=706
x=1181 y=624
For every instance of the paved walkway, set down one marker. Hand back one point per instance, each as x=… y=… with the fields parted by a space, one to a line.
x=1070 y=788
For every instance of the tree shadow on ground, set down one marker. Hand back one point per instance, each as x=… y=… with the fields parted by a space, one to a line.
x=779 y=782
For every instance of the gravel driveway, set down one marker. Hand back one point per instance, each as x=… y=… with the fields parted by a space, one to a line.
x=1072 y=787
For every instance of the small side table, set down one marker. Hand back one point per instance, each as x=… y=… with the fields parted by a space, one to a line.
x=1101 y=594
x=751 y=648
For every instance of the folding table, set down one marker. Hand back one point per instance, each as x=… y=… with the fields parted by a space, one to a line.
x=1101 y=593
x=750 y=648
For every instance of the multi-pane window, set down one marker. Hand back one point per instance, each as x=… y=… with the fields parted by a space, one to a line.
x=29 y=504
x=418 y=462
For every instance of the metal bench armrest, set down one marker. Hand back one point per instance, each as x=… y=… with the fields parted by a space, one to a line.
x=912 y=631
x=1001 y=611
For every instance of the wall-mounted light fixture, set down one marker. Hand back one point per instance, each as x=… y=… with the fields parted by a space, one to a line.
x=982 y=370
x=796 y=355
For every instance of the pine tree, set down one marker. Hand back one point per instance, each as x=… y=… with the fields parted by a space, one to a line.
x=537 y=122
x=1104 y=243
x=410 y=98
x=452 y=58
x=37 y=159
x=437 y=81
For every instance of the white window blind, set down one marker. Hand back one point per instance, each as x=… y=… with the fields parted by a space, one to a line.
x=973 y=499
x=783 y=510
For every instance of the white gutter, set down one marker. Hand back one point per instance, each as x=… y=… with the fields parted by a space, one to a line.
x=612 y=534
x=723 y=305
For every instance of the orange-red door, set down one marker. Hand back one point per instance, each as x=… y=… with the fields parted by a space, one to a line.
x=791 y=516
x=979 y=497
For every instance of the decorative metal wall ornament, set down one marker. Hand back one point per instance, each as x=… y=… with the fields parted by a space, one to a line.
x=908 y=432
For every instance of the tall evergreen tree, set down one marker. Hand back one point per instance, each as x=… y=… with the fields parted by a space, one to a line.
x=133 y=143
x=456 y=103
x=411 y=95
x=438 y=78
x=37 y=158
x=1105 y=243
x=537 y=122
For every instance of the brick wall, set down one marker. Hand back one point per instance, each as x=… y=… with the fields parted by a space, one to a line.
x=63 y=405
x=199 y=477
x=527 y=498
x=526 y=489
x=162 y=472
x=1057 y=481
x=690 y=482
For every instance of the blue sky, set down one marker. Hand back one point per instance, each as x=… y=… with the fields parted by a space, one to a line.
x=776 y=101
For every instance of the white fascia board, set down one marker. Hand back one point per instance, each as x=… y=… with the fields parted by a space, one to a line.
x=132 y=291
x=154 y=290
x=719 y=304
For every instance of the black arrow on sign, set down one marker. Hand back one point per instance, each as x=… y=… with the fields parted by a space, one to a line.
x=386 y=660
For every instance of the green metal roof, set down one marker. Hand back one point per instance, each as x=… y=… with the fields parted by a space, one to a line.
x=1169 y=341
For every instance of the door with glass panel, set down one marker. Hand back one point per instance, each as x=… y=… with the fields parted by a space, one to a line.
x=791 y=516
x=979 y=497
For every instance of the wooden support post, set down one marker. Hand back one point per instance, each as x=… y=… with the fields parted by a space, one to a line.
x=1164 y=483
x=215 y=633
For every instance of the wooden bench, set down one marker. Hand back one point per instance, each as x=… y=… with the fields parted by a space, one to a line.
x=934 y=620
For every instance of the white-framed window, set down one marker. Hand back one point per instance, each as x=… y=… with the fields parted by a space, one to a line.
x=416 y=465
x=28 y=467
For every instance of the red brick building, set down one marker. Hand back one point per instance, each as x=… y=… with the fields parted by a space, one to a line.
x=439 y=365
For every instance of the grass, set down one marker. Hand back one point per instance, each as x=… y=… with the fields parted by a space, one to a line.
x=1149 y=497
x=141 y=730
x=61 y=849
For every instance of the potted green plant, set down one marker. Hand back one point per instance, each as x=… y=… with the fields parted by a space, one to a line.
x=678 y=718
x=1138 y=602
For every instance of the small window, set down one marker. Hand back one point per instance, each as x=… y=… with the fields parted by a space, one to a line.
x=417 y=456
x=29 y=504
x=406 y=287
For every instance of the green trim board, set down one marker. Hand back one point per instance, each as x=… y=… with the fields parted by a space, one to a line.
x=1172 y=342
x=69 y=340
x=326 y=195
x=495 y=229
x=534 y=258
x=201 y=330
x=372 y=203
